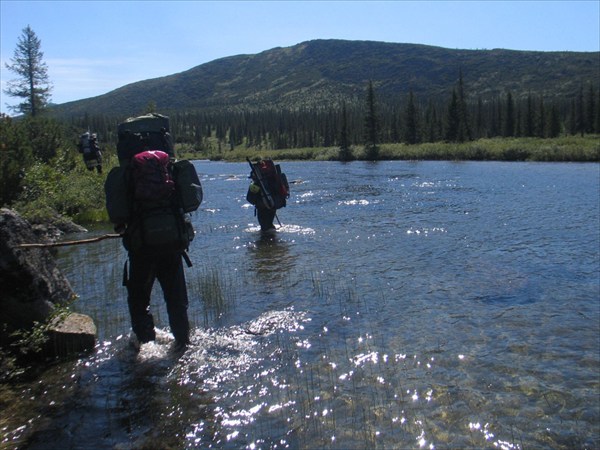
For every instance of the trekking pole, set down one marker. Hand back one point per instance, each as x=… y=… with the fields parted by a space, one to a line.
x=66 y=243
x=261 y=184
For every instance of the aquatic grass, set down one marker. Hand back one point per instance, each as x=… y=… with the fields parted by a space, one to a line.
x=215 y=289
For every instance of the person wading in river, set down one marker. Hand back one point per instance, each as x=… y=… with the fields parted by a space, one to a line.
x=268 y=191
x=147 y=199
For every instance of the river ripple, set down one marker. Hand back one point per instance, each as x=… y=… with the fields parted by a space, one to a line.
x=401 y=305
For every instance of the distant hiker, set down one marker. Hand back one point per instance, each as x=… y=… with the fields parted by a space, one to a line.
x=92 y=155
x=148 y=197
x=268 y=191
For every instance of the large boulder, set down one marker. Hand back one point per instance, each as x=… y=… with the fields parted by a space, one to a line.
x=32 y=284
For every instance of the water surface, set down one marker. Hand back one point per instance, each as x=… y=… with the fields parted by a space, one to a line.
x=400 y=305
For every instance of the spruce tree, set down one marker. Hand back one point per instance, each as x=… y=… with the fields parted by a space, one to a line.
x=554 y=125
x=581 y=126
x=590 y=110
x=452 y=119
x=464 y=127
x=344 y=153
x=411 y=121
x=509 y=117
x=32 y=85
x=371 y=126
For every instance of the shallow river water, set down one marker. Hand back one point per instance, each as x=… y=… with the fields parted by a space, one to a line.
x=400 y=305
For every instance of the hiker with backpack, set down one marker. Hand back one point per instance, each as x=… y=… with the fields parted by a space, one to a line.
x=268 y=192
x=148 y=198
x=92 y=155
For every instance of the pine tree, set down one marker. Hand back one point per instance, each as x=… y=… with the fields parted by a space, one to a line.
x=32 y=85
x=458 y=128
x=590 y=110
x=344 y=153
x=509 y=116
x=452 y=119
x=371 y=126
x=464 y=127
x=554 y=124
x=528 y=120
x=411 y=121
x=580 y=120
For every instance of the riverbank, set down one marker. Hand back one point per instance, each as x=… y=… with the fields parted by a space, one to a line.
x=79 y=194
x=561 y=149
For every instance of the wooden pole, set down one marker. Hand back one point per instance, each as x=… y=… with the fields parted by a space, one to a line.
x=66 y=243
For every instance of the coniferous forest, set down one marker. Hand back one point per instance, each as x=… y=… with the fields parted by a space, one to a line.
x=333 y=93
x=408 y=121
x=323 y=100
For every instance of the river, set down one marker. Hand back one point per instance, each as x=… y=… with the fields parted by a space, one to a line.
x=399 y=305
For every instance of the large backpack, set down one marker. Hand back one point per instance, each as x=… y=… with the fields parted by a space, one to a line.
x=149 y=192
x=84 y=143
x=147 y=132
x=274 y=188
x=88 y=148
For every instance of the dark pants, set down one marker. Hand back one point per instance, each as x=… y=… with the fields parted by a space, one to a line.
x=144 y=268
x=265 y=218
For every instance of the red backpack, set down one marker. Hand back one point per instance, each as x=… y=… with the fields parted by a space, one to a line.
x=152 y=179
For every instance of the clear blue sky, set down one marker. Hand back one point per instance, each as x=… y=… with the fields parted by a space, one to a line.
x=93 y=47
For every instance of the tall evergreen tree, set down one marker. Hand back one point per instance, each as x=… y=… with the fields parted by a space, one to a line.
x=452 y=119
x=458 y=128
x=411 y=121
x=580 y=120
x=528 y=119
x=590 y=110
x=509 y=116
x=553 y=122
x=464 y=126
x=371 y=126
x=32 y=84
x=540 y=128
x=344 y=153
x=479 y=122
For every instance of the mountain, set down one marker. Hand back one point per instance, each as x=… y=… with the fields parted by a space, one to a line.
x=326 y=72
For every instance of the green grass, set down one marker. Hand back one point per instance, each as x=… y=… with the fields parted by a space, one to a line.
x=562 y=149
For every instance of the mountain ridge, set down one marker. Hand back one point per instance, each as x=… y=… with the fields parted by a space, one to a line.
x=328 y=72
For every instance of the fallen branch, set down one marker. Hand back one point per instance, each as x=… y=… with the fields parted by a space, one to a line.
x=65 y=243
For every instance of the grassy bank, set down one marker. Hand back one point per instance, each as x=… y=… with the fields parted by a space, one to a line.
x=65 y=187
x=563 y=149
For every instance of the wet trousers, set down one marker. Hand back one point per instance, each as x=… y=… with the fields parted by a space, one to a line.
x=265 y=218
x=144 y=269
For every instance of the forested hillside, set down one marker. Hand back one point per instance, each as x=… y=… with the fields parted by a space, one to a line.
x=326 y=72
x=294 y=97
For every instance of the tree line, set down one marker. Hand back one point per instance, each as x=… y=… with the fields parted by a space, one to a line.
x=459 y=118
x=36 y=151
x=410 y=120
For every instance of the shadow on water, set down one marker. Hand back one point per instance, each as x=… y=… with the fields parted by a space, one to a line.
x=270 y=259
x=129 y=395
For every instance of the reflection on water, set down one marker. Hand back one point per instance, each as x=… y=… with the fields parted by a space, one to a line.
x=400 y=305
x=270 y=260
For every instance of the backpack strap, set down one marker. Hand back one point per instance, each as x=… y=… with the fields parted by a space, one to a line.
x=186 y=258
x=125 y=274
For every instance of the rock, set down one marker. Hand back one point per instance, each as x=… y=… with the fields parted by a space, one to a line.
x=74 y=333
x=55 y=227
x=32 y=284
